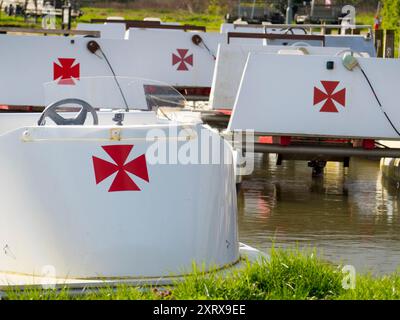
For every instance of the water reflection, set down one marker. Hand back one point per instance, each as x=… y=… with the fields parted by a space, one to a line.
x=351 y=215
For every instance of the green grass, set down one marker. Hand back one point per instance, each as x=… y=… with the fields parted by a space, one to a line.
x=15 y=21
x=212 y=22
x=365 y=18
x=288 y=274
x=370 y=288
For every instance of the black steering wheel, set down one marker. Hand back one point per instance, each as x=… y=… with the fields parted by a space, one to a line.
x=290 y=29
x=51 y=112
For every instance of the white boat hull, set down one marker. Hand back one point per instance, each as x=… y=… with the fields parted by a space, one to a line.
x=58 y=212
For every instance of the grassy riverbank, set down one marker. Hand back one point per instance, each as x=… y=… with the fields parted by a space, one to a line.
x=211 y=20
x=288 y=274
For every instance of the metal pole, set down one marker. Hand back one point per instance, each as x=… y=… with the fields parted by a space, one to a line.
x=327 y=151
x=289 y=12
x=252 y=10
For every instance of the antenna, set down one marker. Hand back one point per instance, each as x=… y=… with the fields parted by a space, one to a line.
x=93 y=47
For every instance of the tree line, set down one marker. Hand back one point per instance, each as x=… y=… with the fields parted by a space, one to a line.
x=391 y=14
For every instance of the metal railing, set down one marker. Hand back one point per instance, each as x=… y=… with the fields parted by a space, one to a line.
x=307 y=28
x=274 y=36
x=150 y=25
x=5 y=30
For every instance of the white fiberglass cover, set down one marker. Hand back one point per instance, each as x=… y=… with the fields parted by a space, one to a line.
x=172 y=58
x=117 y=199
x=226 y=79
x=318 y=96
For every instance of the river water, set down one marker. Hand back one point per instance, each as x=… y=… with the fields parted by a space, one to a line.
x=351 y=216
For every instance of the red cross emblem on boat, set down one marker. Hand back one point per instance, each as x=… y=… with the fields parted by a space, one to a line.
x=183 y=58
x=66 y=71
x=331 y=98
x=122 y=181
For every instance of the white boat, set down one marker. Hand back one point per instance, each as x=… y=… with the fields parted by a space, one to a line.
x=90 y=198
x=185 y=60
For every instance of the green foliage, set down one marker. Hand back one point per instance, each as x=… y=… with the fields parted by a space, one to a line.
x=365 y=18
x=211 y=21
x=391 y=14
x=391 y=18
x=215 y=7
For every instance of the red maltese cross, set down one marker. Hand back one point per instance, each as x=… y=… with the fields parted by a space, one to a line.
x=122 y=181
x=66 y=71
x=330 y=97
x=183 y=58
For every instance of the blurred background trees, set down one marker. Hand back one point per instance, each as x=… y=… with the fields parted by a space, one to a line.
x=199 y=5
x=391 y=14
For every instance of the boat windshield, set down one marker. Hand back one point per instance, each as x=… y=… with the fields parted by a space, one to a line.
x=115 y=93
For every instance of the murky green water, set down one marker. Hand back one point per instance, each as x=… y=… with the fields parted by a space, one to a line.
x=350 y=215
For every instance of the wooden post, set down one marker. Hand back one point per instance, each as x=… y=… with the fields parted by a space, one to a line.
x=389 y=43
x=379 y=43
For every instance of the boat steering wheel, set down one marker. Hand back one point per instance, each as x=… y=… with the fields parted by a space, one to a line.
x=51 y=112
x=290 y=29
